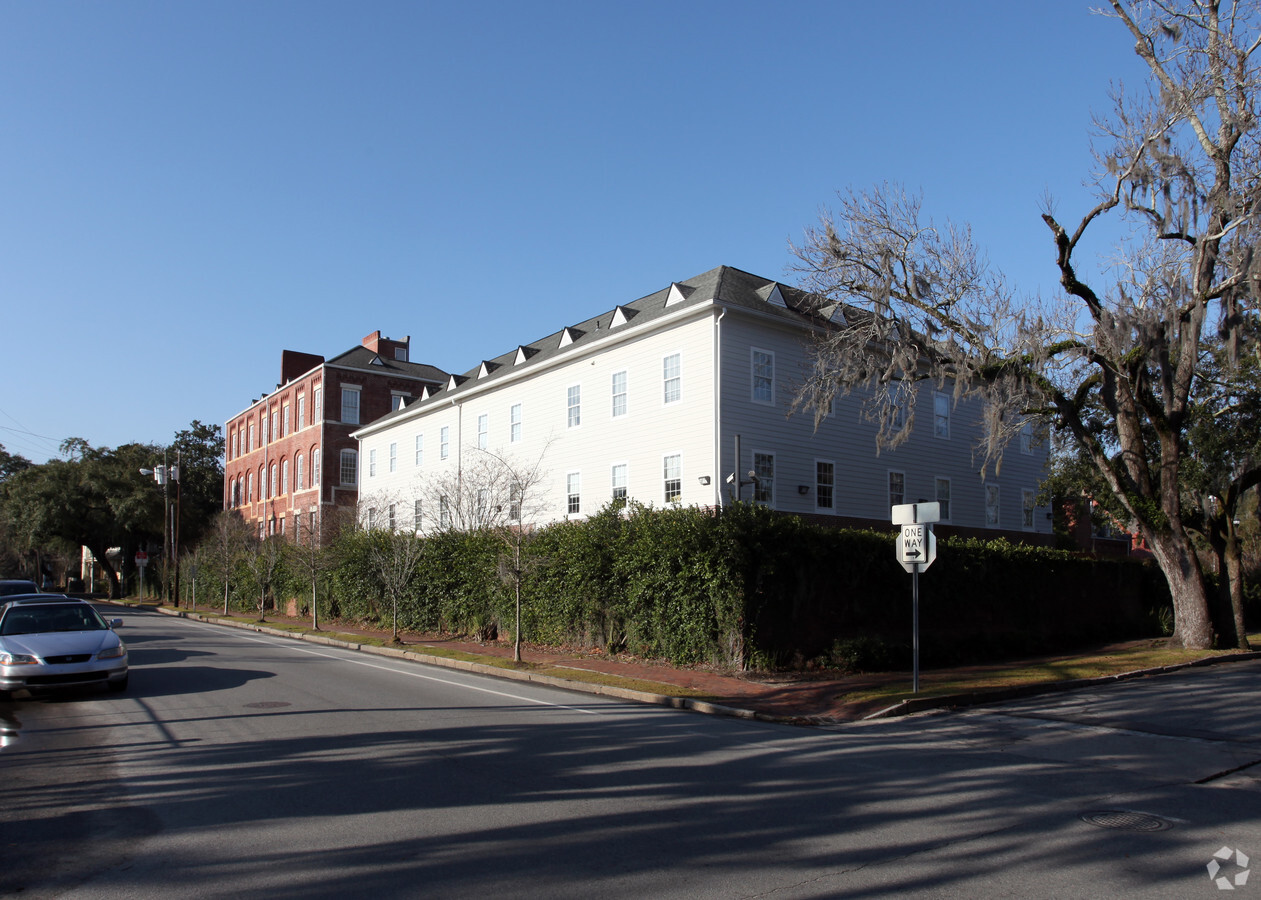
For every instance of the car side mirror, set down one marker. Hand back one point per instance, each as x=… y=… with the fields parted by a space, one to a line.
x=115 y=623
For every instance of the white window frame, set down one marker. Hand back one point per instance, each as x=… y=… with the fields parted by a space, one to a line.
x=299 y=467
x=830 y=506
x=941 y=415
x=1028 y=506
x=1026 y=438
x=573 y=406
x=372 y=463
x=420 y=450
x=667 y=379
x=348 y=460
x=623 y=395
x=889 y=487
x=514 y=423
x=317 y=406
x=483 y=431
x=624 y=487
x=355 y=408
x=666 y=480
x=573 y=493
x=945 y=505
x=762 y=493
x=993 y=505
x=393 y=456
x=444 y=442
x=301 y=411
x=759 y=377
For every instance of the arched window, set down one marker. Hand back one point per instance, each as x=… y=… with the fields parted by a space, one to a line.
x=284 y=477
x=249 y=488
x=349 y=467
x=271 y=485
x=300 y=473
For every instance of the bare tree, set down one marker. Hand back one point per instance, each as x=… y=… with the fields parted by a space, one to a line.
x=496 y=492
x=394 y=548
x=228 y=541
x=264 y=560
x=1113 y=361
x=315 y=551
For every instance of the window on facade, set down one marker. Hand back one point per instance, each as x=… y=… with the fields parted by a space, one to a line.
x=301 y=411
x=483 y=431
x=350 y=405
x=1026 y=438
x=619 y=394
x=515 y=423
x=824 y=482
x=271 y=484
x=390 y=521
x=282 y=525
x=573 y=403
x=672 y=377
x=515 y=496
x=763 y=376
x=300 y=473
x=941 y=415
x=372 y=463
x=372 y=518
x=444 y=512
x=444 y=441
x=673 y=470
x=991 y=506
x=573 y=493
x=317 y=406
x=251 y=444
x=416 y=516
x=393 y=456
x=942 y=493
x=349 y=467
x=764 y=488
x=249 y=487
x=396 y=401
x=273 y=433
x=897 y=488
x=315 y=468
x=284 y=477
x=313 y=528
x=1027 y=499
x=619 y=481
x=420 y=450
x=284 y=426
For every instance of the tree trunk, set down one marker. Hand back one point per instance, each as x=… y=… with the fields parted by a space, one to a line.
x=1192 y=627
x=1233 y=579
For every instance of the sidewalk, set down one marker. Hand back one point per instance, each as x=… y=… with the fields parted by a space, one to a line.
x=802 y=698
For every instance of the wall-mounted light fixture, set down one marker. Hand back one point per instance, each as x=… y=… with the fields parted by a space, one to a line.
x=803 y=489
x=704 y=479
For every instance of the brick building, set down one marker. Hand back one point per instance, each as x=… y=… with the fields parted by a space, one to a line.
x=290 y=457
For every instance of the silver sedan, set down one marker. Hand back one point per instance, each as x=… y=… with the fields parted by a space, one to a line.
x=51 y=643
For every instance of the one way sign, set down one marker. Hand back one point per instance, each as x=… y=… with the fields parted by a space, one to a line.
x=917 y=547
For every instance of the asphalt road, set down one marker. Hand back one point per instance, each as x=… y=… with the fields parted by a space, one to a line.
x=239 y=764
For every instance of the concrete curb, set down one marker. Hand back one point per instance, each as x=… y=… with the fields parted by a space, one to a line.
x=981 y=698
x=419 y=656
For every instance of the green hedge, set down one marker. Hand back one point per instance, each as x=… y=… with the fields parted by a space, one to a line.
x=743 y=587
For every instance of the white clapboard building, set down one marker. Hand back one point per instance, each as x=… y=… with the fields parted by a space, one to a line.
x=652 y=400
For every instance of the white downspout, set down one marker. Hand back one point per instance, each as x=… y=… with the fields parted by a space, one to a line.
x=717 y=476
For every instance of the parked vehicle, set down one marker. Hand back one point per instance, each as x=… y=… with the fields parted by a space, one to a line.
x=17 y=586
x=49 y=642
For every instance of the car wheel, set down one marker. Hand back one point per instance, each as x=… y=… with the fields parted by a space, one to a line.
x=120 y=685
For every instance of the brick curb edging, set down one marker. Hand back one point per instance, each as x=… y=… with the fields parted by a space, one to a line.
x=419 y=656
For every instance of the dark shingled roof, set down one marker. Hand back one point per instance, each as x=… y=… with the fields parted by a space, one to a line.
x=723 y=285
x=362 y=358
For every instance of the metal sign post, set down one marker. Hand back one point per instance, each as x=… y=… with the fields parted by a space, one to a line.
x=916 y=550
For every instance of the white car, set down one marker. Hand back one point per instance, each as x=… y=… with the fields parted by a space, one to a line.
x=59 y=642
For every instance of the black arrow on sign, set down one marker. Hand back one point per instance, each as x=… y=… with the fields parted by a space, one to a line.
x=911 y=554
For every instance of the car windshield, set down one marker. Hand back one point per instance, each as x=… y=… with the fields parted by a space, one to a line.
x=39 y=619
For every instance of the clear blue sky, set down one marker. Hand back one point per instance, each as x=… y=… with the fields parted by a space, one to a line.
x=187 y=189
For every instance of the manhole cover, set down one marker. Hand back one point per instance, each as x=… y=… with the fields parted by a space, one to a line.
x=1124 y=820
x=267 y=704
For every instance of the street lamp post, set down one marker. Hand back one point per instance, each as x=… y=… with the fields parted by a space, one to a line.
x=164 y=475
